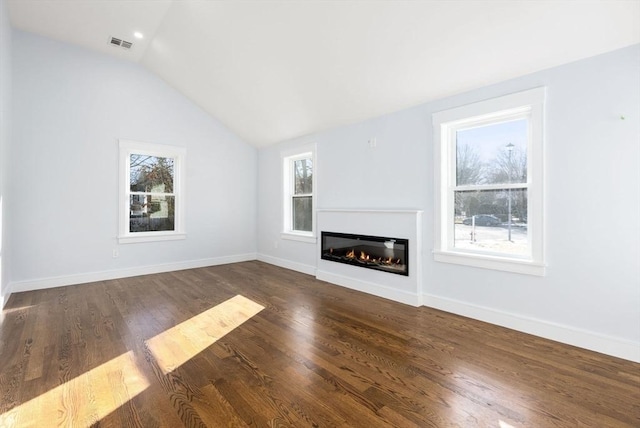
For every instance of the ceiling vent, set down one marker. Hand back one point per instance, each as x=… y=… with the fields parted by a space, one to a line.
x=114 y=41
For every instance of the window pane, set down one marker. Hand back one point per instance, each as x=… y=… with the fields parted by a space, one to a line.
x=481 y=221
x=302 y=207
x=149 y=213
x=303 y=176
x=492 y=154
x=151 y=174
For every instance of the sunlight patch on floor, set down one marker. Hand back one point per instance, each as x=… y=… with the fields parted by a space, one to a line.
x=6 y=312
x=84 y=400
x=498 y=394
x=175 y=346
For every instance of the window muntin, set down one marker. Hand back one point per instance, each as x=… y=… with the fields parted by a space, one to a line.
x=299 y=188
x=151 y=192
x=489 y=183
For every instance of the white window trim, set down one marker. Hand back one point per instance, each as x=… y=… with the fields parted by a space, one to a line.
x=288 y=157
x=127 y=147
x=529 y=103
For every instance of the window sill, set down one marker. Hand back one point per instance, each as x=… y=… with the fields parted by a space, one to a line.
x=292 y=236
x=491 y=262
x=150 y=237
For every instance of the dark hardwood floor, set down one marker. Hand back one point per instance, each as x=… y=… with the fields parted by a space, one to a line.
x=250 y=344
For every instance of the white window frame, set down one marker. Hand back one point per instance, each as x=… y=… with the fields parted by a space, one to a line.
x=129 y=147
x=288 y=158
x=529 y=104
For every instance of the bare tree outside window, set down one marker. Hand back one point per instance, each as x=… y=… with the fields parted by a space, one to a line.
x=469 y=166
x=302 y=197
x=490 y=197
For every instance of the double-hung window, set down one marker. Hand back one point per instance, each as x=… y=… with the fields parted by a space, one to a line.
x=298 y=180
x=151 y=192
x=489 y=183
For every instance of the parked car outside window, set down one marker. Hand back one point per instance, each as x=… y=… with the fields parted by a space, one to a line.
x=483 y=220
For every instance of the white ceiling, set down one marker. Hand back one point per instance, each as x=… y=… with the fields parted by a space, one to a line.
x=274 y=70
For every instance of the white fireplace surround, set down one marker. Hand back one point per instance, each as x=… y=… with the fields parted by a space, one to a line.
x=405 y=224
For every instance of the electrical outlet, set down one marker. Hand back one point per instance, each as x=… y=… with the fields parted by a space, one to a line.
x=116 y=254
x=373 y=143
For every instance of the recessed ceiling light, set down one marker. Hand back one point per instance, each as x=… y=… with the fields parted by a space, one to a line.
x=138 y=35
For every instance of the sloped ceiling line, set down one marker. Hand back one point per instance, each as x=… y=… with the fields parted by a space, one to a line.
x=275 y=70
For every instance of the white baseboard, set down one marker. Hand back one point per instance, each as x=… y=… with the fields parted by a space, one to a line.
x=60 y=281
x=608 y=345
x=287 y=264
x=370 y=288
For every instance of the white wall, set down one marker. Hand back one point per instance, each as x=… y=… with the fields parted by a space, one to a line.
x=70 y=108
x=591 y=293
x=5 y=138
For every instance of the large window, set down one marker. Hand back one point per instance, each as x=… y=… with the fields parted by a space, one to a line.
x=151 y=193
x=298 y=174
x=489 y=183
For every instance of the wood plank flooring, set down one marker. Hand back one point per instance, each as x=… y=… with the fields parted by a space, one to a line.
x=250 y=344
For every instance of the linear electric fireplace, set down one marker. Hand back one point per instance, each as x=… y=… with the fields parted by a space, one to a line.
x=372 y=252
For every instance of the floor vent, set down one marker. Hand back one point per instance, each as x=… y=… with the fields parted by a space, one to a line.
x=119 y=42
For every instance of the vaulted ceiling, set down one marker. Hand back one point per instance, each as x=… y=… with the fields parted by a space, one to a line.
x=274 y=70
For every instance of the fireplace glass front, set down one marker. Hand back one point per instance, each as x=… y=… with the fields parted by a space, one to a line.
x=372 y=252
